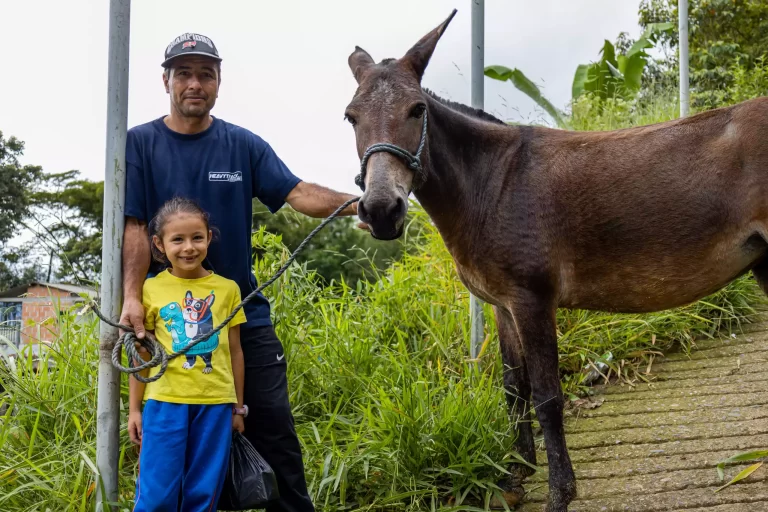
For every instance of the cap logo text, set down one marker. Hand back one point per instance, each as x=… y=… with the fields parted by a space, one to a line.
x=189 y=37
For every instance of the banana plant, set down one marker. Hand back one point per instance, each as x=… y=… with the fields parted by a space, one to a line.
x=525 y=85
x=613 y=75
x=620 y=74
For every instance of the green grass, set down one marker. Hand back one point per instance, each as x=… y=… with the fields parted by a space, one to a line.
x=591 y=114
x=391 y=412
x=47 y=435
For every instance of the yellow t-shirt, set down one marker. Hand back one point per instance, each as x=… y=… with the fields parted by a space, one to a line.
x=178 y=310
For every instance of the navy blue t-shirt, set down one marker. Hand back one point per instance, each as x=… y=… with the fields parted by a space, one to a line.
x=222 y=168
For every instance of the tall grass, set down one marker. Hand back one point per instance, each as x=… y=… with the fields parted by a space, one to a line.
x=590 y=113
x=47 y=432
x=391 y=412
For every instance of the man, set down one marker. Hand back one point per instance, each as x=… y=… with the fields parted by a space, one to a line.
x=223 y=167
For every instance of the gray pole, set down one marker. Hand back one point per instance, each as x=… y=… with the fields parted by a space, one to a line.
x=477 y=81
x=684 y=83
x=108 y=406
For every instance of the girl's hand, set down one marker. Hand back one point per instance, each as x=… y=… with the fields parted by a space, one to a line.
x=134 y=427
x=238 y=423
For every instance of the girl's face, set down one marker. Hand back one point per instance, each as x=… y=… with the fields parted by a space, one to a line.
x=185 y=243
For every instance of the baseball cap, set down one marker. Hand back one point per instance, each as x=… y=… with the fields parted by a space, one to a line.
x=190 y=44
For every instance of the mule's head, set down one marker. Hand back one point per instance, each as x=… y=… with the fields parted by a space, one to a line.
x=389 y=106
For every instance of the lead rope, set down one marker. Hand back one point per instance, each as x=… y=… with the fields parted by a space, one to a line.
x=156 y=350
x=159 y=356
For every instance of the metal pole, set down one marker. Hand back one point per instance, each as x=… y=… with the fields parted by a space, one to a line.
x=477 y=329
x=684 y=83
x=108 y=406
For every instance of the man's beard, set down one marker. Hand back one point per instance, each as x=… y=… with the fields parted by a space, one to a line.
x=190 y=110
x=193 y=111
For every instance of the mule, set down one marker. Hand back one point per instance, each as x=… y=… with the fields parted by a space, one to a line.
x=634 y=220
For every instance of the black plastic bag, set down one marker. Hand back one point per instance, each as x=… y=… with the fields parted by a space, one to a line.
x=250 y=482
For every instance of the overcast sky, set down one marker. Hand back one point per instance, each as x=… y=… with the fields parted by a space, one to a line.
x=285 y=73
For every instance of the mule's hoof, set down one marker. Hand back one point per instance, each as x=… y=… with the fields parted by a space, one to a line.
x=513 y=496
x=560 y=499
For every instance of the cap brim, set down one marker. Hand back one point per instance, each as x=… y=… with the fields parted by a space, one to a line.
x=204 y=54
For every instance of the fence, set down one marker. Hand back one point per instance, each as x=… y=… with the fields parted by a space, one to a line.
x=11 y=331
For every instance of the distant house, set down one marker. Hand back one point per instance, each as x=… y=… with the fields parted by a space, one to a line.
x=27 y=312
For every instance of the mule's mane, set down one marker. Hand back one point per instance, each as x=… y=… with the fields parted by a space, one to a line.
x=465 y=109
x=453 y=105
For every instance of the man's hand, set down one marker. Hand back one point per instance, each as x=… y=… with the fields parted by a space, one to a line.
x=238 y=423
x=361 y=225
x=134 y=427
x=133 y=316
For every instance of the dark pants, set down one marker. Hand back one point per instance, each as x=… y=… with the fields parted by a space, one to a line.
x=269 y=425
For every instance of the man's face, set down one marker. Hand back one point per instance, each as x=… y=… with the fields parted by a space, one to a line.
x=193 y=83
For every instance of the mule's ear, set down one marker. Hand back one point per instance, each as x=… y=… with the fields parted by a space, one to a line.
x=418 y=56
x=359 y=61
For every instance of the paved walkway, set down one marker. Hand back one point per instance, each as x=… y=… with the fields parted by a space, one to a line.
x=656 y=447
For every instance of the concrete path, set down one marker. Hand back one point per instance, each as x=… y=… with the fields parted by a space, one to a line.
x=655 y=447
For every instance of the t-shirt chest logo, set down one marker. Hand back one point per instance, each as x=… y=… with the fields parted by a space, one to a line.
x=186 y=323
x=229 y=177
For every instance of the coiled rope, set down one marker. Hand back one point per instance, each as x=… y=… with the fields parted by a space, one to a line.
x=159 y=357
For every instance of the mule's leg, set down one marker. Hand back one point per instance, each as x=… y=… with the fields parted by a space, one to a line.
x=535 y=320
x=518 y=394
x=760 y=271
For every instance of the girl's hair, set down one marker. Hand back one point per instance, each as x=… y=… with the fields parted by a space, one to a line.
x=169 y=209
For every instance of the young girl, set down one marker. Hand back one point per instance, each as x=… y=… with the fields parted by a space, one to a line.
x=190 y=412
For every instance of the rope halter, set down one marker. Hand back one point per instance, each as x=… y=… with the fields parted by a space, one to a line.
x=412 y=161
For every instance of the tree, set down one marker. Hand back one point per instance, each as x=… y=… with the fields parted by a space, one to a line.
x=340 y=250
x=66 y=216
x=15 y=183
x=17 y=268
x=724 y=36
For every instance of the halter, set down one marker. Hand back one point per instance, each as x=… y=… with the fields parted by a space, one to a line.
x=412 y=161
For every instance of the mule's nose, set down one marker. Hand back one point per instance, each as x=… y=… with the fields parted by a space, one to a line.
x=381 y=210
x=383 y=214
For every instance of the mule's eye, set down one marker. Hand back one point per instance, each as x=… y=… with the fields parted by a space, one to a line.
x=418 y=111
x=350 y=119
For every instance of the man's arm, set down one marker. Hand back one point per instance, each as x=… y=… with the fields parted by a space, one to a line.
x=318 y=201
x=136 y=258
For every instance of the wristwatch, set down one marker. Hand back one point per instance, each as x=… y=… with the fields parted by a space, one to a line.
x=242 y=412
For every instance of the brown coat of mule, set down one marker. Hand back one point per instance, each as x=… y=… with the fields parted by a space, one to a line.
x=634 y=220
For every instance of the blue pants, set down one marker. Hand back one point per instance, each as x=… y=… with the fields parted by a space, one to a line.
x=184 y=452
